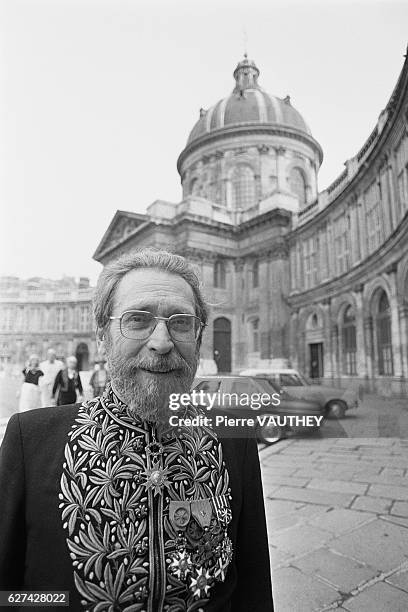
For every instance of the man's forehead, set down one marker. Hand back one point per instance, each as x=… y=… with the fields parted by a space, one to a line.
x=151 y=284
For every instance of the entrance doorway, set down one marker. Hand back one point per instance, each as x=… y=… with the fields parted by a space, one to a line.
x=316 y=360
x=82 y=355
x=222 y=344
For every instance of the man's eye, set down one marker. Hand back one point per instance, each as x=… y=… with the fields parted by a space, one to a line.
x=182 y=323
x=138 y=319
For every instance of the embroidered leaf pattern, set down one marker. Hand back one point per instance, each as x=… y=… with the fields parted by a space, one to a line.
x=106 y=508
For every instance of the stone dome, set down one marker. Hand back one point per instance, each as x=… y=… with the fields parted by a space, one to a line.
x=248 y=104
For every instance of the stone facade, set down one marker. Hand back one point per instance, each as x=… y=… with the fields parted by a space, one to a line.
x=316 y=279
x=38 y=314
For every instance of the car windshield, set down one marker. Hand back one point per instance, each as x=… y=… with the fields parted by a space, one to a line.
x=267 y=385
x=293 y=380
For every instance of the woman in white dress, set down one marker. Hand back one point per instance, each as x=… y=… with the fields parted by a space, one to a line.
x=30 y=395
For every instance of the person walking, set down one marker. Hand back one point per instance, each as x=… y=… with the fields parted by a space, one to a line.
x=30 y=391
x=51 y=366
x=99 y=379
x=67 y=382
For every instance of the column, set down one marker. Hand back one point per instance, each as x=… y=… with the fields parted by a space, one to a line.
x=403 y=322
x=264 y=310
x=396 y=337
x=361 y=358
x=392 y=193
x=369 y=348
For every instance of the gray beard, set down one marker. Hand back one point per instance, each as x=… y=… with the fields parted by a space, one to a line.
x=146 y=394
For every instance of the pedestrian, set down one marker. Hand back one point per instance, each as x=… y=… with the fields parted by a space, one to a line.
x=67 y=383
x=51 y=366
x=30 y=392
x=111 y=502
x=99 y=379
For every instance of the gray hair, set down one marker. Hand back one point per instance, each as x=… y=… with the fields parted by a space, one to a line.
x=148 y=257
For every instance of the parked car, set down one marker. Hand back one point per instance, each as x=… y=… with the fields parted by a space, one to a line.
x=335 y=401
x=288 y=406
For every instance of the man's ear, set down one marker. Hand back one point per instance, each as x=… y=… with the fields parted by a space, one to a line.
x=100 y=342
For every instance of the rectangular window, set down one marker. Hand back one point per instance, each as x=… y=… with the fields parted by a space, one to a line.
x=61 y=318
x=341 y=243
x=373 y=217
x=83 y=318
x=324 y=256
x=307 y=264
x=293 y=283
x=401 y=158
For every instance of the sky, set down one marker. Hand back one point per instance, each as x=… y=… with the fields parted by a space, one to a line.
x=97 y=98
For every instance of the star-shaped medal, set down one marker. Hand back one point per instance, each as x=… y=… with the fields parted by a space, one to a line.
x=200 y=584
x=156 y=478
x=181 y=564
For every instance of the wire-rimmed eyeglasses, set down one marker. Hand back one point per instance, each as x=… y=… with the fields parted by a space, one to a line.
x=140 y=324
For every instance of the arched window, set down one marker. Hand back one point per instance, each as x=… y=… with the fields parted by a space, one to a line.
x=254 y=327
x=242 y=187
x=219 y=274
x=349 y=342
x=298 y=185
x=384 y=339
x=255 y=274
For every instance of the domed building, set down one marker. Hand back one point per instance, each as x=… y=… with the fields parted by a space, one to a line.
x=251 y=152
x=317 y=279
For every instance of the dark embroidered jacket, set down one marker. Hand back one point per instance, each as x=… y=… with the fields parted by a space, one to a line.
x=94 y=506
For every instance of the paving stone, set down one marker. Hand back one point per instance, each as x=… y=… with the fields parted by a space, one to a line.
x=400 y=580
x=314 y=496
x=276 y=523
x=278 y=558
x=383 y=479
x=344 y=573
x=367 y=503
x=397 y=520
x=276 y=507
x=380 y=544
x=291 y=481
x=296 y=592
x=341 y=486
x=300 y=539
x=381 y=597
x=390 y=491
x=340 y=520
x=400 y=509
x=390 y=472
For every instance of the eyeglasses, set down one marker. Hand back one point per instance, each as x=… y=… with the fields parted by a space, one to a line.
x=140 y=324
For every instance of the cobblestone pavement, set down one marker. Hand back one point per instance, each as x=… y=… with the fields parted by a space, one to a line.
x=337 y=511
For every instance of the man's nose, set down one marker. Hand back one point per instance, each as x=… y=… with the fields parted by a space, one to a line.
x=160 y=339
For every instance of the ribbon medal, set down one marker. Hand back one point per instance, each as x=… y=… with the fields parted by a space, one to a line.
x=179 y=514
x=201 y=510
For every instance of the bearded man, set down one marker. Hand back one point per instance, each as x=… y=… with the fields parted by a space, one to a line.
x=106 y=500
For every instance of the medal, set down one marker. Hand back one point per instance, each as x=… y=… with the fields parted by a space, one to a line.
x=201 y=510
x=181 y=564
x=222 y=509
x=179 y=514
x=200 y=584
x=156 y=477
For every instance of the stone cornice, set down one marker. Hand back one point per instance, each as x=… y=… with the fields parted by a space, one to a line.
x=249 y=129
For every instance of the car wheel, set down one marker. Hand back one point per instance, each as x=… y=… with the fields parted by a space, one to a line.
x=336 y=409
x=270 y=434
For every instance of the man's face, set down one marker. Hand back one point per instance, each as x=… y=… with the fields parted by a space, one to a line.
x=51 y=356
x=145 y=372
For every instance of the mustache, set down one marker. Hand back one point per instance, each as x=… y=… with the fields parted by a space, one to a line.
x=161 y=363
